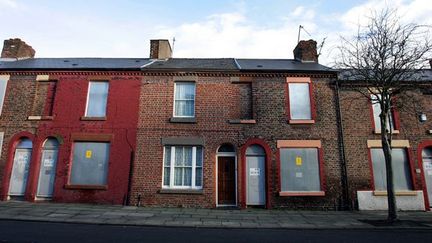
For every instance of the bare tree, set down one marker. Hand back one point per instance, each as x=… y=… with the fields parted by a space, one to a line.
x=382 y=62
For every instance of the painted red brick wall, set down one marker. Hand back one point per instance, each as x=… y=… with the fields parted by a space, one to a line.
x=69 y=107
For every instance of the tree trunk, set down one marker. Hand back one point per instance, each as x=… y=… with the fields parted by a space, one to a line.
x=387 y=149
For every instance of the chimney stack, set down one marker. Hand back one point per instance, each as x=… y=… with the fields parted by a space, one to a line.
x=160 y=49
x=306 y=51
x=17 y=49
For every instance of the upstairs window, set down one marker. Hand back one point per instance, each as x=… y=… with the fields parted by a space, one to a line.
x=376 y=109
x=300 y=101
x=97 y=99
x=184 y=99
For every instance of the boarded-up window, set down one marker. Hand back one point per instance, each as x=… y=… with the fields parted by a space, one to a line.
x=97 y=99
x=90 y=163
x=299 y=101
x=400 y=165
x=299 y=169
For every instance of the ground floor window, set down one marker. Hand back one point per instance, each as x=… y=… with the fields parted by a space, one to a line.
x=90 y=163
x=400 y=165
x=183 y=167
x=299 y=169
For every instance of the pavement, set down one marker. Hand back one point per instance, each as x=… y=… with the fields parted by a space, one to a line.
x=211 y=218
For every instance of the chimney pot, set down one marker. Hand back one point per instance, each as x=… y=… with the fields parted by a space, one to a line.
x=160 y=49
x=306 y=51
x=18 y=49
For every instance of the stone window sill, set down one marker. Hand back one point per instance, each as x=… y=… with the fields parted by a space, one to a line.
x=91 y=118
x=302 y=194
x=180 y=191
x=393 y=132
x=182 y=120
x=242 y=121
x=397 y=193
x=86 y=187
x=40 y=118
x=301 y=122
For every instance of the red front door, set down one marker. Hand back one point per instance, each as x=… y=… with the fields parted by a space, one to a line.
x=226 y=181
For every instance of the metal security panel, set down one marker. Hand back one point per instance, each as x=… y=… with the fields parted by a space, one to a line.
x=20 y=171
x=47 y=173
x=255 y=174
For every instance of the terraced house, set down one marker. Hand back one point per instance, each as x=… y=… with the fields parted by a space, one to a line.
x=178 y=132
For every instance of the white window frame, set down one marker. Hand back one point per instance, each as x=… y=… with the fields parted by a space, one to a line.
x=88 y=96
x=172 y=168
x=174 y=103
x=5 y=79
x=391 y=122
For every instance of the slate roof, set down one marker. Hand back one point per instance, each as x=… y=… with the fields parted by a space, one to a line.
x=280 y=65
x=75 y=64
x=184 y=64
x=419 y=75
x=210 y=64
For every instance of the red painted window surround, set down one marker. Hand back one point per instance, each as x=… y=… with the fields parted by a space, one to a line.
x=394 y=114
x=423 y=145
x=311 y=96
x=411 y=165
x=321 y=174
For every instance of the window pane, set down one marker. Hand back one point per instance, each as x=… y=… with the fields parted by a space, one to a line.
x=185 y=91
x=299 y=99
x=184 y=108
x=187 y=176
x=178 y=176
x=300 y=169
x=401 y=170
x=376 y=113
x=184 y=99
x=199 y=156
x=178 y=156
x=97 y=99
x=188 y=156
x=198 y=177
x=167 y=160
x=166 y=176
x=90 y=163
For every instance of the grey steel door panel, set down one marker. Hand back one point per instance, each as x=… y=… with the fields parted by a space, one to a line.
x=47 y=173
x=427 y=169
x=255 y=180
x=20 y=170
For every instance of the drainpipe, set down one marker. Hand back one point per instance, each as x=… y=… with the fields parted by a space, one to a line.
x=131 y=168
x=345 y=190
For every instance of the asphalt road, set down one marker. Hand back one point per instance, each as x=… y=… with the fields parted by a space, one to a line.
x=24 y=231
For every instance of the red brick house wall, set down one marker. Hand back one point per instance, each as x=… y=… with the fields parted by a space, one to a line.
x=67 y=125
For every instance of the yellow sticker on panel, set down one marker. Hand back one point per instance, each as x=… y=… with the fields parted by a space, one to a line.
x=298 y=161
x=88 y=154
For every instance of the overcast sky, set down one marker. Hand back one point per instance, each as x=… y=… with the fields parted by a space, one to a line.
x=222 y=28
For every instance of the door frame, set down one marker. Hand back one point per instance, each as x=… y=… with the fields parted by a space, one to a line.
x=226 y=154
x=247 y=177
x=423 y=145
x=28 y=172
x=267 y=166
x=37 y=196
